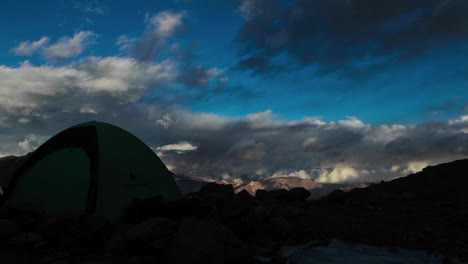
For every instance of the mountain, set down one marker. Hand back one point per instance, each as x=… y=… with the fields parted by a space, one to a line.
x=442 y=183
x=317 y=189
x=188 y=184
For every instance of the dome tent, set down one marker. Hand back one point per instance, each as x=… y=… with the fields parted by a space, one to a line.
x=92 y=167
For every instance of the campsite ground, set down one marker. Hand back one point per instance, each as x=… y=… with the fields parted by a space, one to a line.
x=215 y=225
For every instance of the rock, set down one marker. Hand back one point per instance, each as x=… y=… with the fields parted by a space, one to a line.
x=115 y=243
x=407 y=196
x=68 y=232
x=272 y=196
x=8 y=229
x=261 y=213
x=142 y=209
x=217 y=190
x=151 y=228
x=187 y=207
x=285 y=210
x=279 y=226
x=25 y=239
x=201 y=242
x=95 y=224
x=298 y=194
x=336 y=196
x=238 y=204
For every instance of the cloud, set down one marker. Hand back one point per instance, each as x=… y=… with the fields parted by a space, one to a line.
x=199 y=76
x=75 y=87
x=165 y=24
x=125 y=43
x=160 y=27
x=460 y=124
x=179 y=148
x=88 y=109
x=341 y=175
x=93 y=7
x=214 y=146
x=344 y=36
x=159 y=41
x=30 y=143
x=248 y=9
x=261 y=120
x=27 y=48
x=65 y=48
x=69 y=47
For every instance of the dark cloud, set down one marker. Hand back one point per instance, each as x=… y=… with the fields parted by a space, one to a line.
x=338 y=33
x=256 y=146
x=160 y=28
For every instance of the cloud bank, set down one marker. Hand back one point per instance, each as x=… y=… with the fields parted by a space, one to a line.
x=64 y=48
x=144 y=93
x=344 y=35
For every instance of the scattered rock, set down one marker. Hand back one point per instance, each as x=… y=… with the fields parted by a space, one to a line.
x=239 y=203
x=25 y=240
x=217 y=190
x=115 y=243
x=298 y=194
x=8 y=228
x=201 y=242
x=151 y=229
x=272 y=196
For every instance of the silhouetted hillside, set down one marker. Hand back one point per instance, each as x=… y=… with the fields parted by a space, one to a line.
x=444 y=183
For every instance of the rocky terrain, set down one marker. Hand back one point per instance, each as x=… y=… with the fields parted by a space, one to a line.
x=426 y=210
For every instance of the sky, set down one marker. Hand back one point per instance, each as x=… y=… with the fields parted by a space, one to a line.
x=336 y=91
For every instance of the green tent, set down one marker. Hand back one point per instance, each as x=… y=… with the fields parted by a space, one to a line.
x=92 y=167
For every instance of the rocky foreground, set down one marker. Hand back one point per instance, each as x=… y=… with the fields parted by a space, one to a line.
x=427 y=211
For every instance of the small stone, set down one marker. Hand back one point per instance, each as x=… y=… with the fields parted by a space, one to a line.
x=8 y=229
x=25 y=239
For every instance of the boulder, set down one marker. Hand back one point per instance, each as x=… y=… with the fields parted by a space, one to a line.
x=217 y=190
x=298 y=194
x=272 y=196
x=279 y=226
x=336 y=196
x=240 y=203
x=202 y=242
x=151 y=229
x=8 y=228
x=115 y=243
x=25 y=240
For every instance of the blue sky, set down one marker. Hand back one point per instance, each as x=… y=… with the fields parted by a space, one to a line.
x=150 y=66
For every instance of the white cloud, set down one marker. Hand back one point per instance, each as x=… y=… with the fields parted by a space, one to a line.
x=166 y=23
x=415 y=166
x=341 y=174
x=125 y=79
x=351 y=123
x=24 y=120
x=88 y=109
x=461 y=124
x=30 y=143
x=201 y=121
x=179 y=148
x=261 y=119
x=27 y=48
x=299 y=174
x=385 y=133
x=248 y=9
x=166 y=121
x=125 y=43
x=69 y=47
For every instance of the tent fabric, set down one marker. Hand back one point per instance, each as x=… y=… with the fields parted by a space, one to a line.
x=94 y=167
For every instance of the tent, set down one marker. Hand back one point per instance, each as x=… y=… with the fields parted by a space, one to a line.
x=94 y=168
